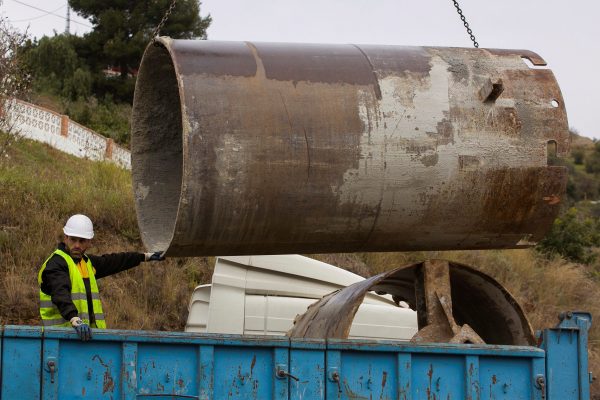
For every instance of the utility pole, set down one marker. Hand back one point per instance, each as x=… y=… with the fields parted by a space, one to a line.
x=68 y=27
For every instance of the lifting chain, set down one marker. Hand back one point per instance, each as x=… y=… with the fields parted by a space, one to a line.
x=163 y=20
x=465 y=23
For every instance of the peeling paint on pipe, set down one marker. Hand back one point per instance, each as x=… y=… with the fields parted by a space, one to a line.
x=271 y=148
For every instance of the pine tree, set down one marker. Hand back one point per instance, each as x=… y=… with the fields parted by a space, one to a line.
x=122 y=30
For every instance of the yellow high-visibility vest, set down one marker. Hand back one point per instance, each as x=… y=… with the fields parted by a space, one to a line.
x=49 y=312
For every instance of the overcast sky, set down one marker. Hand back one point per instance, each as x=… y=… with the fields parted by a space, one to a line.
x=565 y=33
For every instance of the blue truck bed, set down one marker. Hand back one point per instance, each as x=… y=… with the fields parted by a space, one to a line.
x=118 y=364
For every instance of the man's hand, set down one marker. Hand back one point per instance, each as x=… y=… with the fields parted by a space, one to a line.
x=156 y=256
x=83 y=330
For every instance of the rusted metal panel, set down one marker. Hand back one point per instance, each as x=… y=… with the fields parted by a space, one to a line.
x=270 y=148
x=434 y=304
x=455 y=303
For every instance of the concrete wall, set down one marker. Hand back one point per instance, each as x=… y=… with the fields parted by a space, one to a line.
x=37 y=123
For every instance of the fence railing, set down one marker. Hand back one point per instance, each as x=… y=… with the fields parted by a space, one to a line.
x=43 y=125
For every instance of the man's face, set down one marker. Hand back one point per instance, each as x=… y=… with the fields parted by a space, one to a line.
x=77 y=246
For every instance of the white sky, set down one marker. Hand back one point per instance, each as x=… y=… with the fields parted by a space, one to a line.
x=565 y=33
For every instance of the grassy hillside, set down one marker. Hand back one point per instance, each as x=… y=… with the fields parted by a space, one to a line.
x=40 y=187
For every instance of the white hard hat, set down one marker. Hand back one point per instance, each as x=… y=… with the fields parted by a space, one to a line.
x=79 y=226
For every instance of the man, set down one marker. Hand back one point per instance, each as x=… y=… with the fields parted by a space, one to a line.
x=68 y=291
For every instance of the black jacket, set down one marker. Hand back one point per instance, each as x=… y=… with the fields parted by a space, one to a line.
x=57 y=284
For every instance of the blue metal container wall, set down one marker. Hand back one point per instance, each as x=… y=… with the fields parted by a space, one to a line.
x=136 y=365
x=424 y=372
x=307 y=365
x=506 y=378
x=365 y=374
x=162 y=369
x=20 y=367
x=567 y=360
x=442 y=376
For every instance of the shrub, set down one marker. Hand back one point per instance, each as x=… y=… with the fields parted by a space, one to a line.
x=572 y=236
x=105 y=117
x=592 y=161
x=578 y=156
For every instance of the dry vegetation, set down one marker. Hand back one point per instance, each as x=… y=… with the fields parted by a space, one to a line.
x=41 y=187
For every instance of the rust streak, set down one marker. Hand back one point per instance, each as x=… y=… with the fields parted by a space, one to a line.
x=377 y=212
x=430 y=375
x=376 y=87
x=287 y=113
x=383 y=382
x=252 y=364
x=307 y=153
x=351 y=394
x=108 y=385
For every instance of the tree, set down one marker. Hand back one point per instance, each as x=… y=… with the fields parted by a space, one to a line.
x=57 y=69
x=14 y=81
x=573 y=237
x=122 y=29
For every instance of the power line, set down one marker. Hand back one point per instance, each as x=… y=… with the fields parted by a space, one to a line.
x=38 y=17
x=51 y=13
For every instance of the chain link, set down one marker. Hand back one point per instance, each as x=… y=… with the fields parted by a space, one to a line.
x=465 y=23
x=164 y=19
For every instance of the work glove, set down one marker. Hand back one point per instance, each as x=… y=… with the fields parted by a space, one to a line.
x=83 y=330
x=156 y=256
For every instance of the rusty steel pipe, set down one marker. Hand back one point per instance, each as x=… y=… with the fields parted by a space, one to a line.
x=270 y=148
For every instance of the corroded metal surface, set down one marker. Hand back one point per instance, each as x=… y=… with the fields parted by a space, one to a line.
x=454 y=303
x=266 y=148
x=434 y=307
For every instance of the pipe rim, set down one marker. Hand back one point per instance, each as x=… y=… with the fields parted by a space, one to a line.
x=157 y=159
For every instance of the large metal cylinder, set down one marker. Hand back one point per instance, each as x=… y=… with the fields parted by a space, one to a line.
x=271 y=148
